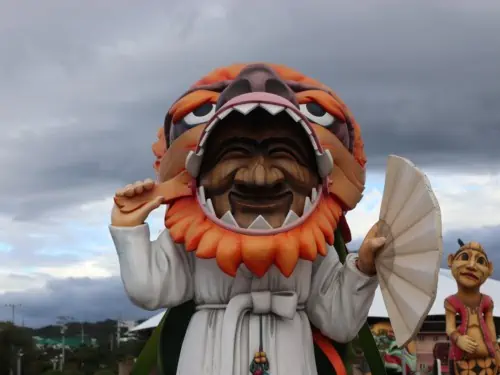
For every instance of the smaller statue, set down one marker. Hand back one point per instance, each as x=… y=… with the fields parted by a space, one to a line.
x=473 y=346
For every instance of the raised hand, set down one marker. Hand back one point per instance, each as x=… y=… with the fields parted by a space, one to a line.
x=368 y=251
x=137 y=217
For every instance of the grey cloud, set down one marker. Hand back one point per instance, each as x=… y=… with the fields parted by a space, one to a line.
x=84 y=88
x=83 y=299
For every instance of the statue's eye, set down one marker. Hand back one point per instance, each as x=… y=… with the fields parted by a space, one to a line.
x=200 y=115
x=481 y=261
x=464 y=256
x=317 y=114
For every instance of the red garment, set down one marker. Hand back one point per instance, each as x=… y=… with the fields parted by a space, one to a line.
x=485 y=305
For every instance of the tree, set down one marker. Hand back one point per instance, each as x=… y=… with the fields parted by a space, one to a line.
x=13 y=339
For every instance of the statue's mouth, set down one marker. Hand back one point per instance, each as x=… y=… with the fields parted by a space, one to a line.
x=272 y=197
x=470 y=275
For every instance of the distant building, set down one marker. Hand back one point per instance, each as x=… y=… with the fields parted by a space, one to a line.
x=69 y=342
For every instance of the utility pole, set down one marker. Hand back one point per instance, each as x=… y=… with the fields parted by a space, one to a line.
x=118 y=326
x=82 y=333
x=13 y=307
x=63 y=346
x=19 y=356
x=62 y=321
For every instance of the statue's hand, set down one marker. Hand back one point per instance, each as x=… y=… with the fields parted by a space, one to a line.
x=137 y=217
x=368 y=251
x=467 y=344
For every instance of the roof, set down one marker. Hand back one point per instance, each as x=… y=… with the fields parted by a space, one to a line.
x=446 y=287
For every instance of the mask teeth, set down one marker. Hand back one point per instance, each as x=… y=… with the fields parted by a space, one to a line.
x=314 y=195
x=307 y=205
x=228 y=218
x=246 y=108
x=224 y=113
x=260 y=223
x=210 y=206
x=273 y=109
x=290 y=218
x=201 y=195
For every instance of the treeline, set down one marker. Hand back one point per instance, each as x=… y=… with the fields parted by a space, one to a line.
x=85 y=360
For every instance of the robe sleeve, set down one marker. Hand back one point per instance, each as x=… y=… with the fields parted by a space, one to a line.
x=155 y=274
x=340 y=297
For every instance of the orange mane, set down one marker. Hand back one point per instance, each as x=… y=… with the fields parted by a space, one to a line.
x=189 y=225
x=331 y=102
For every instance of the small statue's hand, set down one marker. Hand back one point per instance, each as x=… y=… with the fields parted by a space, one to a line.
x=138 y=216
x=367 y=253
x=467 y=344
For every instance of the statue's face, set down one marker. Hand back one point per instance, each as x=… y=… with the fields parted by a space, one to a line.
x=259 y=164
x=470 y=268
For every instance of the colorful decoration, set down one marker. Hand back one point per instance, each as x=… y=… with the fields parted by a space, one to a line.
x=473 y=342
x=258 y=165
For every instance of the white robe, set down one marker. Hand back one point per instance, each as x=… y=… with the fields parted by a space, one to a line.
x=223 y=334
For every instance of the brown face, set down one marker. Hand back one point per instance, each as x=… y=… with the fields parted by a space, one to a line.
x=470 y=268
x=259 y=164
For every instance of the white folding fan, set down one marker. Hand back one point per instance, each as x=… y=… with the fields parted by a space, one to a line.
x=408 y=265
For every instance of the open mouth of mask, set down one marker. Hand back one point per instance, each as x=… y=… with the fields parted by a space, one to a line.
x=272 y=188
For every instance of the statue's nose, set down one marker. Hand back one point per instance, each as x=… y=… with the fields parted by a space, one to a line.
x=257 y=78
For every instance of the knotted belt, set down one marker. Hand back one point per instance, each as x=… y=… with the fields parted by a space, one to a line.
x=282 y=304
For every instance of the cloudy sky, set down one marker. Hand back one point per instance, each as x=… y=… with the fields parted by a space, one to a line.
x=84 y=85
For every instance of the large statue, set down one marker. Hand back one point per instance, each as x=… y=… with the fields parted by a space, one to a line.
x=473 y=343
x=258 y=165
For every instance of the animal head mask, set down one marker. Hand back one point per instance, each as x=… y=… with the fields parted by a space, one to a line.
x=261 y=164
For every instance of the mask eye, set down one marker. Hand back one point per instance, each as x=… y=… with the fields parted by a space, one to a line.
x=464 y=256
x=200 y=115
x=317 y=114
x=481 y=261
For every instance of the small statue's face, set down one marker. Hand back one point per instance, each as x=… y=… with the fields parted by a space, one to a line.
x=470 y=268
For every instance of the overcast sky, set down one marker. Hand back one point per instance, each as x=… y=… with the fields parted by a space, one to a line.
x=85 y=85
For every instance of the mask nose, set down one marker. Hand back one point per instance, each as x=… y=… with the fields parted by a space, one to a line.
x=257 y=78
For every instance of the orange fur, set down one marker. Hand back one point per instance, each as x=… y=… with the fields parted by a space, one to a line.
x=187 y=222
x=189 y=225
x=331 y=102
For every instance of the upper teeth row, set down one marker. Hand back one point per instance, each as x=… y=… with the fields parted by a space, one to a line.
x=273 y=109
x=260 y=222
x=323 y=159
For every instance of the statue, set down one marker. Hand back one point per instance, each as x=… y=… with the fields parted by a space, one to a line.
x=258 y=165
x=473 y=345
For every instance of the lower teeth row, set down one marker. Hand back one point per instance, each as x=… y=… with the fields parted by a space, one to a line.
x=260 y=223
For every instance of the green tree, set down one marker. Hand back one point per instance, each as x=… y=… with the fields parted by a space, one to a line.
x=12 y=340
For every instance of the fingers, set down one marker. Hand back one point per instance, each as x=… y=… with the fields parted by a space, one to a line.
x=470 y=348
x=150 y=206
x=470 y=345
x=377 y=242
x=136 y=188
